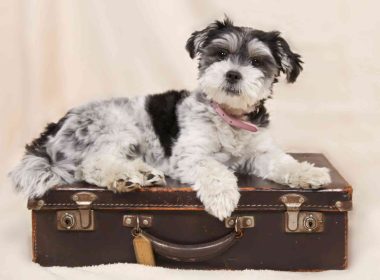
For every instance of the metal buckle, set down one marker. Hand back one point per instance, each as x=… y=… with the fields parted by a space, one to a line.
x=239 y=222
x=137 y=221
x=300 y=222
x=81 y=219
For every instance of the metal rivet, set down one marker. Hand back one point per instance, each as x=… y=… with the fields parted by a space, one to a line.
x=145 y=222
x=231 y=222
x=75 y=197
x=128 y=221
x=40 y=202
x=248 y=222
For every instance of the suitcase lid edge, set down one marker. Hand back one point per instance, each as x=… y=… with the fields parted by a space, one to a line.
x=256 y=194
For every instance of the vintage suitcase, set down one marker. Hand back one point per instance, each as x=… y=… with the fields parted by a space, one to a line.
x=274 y=226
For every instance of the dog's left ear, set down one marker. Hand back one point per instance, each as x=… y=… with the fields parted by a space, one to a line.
x=198 y=38
x=289 y=62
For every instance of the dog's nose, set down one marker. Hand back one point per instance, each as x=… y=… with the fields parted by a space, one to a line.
x=233 y=76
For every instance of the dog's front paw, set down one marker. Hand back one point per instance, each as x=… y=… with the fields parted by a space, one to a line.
x=221 y=205
x=219 y=196
x=306 y=176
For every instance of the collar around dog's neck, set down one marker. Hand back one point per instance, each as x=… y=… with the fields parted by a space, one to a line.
x=233 y=121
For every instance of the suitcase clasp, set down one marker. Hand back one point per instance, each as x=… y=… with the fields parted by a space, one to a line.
x=81 y=219
x=297 y=221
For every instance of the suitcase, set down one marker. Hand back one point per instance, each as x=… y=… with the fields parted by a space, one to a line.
x=274 y=226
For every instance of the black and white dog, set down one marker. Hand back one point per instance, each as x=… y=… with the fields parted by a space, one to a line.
x=198 y=137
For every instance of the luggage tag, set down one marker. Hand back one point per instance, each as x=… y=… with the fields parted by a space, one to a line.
x=142 y=247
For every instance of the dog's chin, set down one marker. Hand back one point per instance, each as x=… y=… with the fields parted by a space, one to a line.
x=233 y=101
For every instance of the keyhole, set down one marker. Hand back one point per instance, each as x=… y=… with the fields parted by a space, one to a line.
x=310 y=223
x=68 y=221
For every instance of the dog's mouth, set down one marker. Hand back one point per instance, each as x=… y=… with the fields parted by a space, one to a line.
x=231 y=90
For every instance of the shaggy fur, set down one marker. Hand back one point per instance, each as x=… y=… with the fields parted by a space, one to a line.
x=123 y=144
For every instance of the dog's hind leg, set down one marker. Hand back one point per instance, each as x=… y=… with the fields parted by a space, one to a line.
x=117 y=166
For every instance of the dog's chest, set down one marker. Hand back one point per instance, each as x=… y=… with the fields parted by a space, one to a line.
x=233 y=142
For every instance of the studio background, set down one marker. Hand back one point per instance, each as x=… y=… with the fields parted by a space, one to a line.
x=58 y=54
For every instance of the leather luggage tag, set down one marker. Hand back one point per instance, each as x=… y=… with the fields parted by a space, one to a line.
x=143 y=250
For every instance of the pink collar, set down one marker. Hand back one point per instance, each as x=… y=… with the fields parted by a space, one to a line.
x=233 y=121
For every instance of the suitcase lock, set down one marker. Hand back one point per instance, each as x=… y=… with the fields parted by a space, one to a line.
x=297 y=221
x=81 y=219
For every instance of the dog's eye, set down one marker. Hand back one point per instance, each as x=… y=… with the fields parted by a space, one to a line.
x=255 y=62
x=222 y=54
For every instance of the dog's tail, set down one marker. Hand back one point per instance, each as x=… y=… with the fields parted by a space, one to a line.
x=34 y=175
x=37 y=173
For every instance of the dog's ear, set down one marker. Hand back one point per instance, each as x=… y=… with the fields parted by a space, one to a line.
x=289 y=62
x=198 y=38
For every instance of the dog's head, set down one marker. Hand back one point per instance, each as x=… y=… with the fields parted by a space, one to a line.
x=238 y=65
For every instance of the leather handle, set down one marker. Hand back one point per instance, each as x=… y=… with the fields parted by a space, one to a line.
x=191 y=253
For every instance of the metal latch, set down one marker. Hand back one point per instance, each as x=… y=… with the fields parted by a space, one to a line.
x=81 y=219
x=297 y=221
x=239 y=222
x=137 y=221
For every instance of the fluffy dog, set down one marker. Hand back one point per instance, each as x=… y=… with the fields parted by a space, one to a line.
x=196 y=137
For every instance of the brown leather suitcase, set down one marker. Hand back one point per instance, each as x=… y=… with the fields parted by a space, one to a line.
x=274 y=226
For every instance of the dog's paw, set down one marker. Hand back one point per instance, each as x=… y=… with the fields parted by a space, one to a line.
x=154 y=177
x=306 y=176
x=126 y=181
x=122 y=185
x=221 y=205
x=220 y=196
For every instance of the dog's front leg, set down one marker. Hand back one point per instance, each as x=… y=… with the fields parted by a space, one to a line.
x=215 y=184
x=270 y=162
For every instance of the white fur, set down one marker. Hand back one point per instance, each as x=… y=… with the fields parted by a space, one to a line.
x=207 y=153
x=253 y=86
x=31 y=176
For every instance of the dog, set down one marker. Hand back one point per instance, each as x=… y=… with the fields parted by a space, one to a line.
x=200 y=137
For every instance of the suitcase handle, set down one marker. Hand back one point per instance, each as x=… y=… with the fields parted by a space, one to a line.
x=192 y=253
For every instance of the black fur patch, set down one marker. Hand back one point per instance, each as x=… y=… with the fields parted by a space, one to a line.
x=260 y=116
x=163 y=114
x=37 y=147
x=60 y=156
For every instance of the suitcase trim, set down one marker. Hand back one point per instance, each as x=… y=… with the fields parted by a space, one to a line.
x=335 y=206
x=34 y=237
x=184 y=207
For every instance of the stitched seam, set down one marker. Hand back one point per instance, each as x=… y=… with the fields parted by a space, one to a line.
x=183 y=205
x=34 y=233
x=345 y=263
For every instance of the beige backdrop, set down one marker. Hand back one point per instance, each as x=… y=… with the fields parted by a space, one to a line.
x=57 y=54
